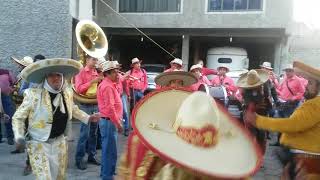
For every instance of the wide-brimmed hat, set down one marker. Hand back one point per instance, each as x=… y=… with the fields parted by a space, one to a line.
x=164 y=79
x=109 y=65
x=266 y=65
x=193 y=132
x=176 y=61
x=223 y=67
x=36 y=72
x=196 y=66
x=253 y=78
x=25 y=61
x=287 y=66
x=306 y=70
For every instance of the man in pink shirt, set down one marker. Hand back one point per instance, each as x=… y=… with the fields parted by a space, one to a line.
x=206 y=71
x=110 y=108
x=290 y=91
x=196 y=70
x=87 y=77
x=175 y=64
x=7 y=81
x=137 y=81
x=223 y=80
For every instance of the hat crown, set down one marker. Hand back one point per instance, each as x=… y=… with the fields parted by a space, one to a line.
x=288 y=66
x=135 y=60
x=266 y=65
x=177 y=61
x=253 y=77
x=27 y=59
x=196 y=66
x=108 y=65
x=198 y=113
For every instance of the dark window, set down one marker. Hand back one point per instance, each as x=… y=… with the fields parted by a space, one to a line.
x=241 y=4
x=225 y=60
x=235 y=5
x=149 y=5
x=94 y=7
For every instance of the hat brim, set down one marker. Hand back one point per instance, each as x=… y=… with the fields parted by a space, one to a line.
x=270 y=68
x=140 y=61
x=19 y=62
x=306 y=70
x=36 y=72
x=223 y=67
x=232 y=157
x=164 y=79
x=242 y=82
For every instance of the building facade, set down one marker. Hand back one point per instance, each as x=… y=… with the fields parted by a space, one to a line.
x=188 y=28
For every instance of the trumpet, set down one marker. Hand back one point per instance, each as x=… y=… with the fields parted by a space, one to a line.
x=131 y=78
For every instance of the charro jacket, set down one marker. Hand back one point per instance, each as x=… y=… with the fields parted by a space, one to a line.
x=36 y=107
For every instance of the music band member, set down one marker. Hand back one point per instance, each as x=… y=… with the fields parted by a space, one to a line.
x=86 y=82
x=300 y=131
x=111 y=110
x=175 y=64
x=223 y=80
x=138 y=83
x=49 y=110
x=290 y=92
x=196 y=70
x=206 y=71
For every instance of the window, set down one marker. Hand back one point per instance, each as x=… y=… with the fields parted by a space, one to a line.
x=132 y=6
x=235 y=5
x=225 y=60
x=93 y=7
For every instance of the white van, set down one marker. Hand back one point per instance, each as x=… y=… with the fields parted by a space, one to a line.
x=236 y=59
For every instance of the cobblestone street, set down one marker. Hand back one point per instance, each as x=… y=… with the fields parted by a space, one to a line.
x=11 y=166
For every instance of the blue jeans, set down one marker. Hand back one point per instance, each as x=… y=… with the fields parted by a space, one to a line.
x=88 y=135
x=286 y=112
x=136 y=95
x=109 y=149
x=9 y=109
x=126 y=121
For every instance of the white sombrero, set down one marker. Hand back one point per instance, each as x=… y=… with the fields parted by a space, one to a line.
x=25 y=61
x=36 y=72
x=164 y=79
x=266 y=65
x=191 y=131
x=253 y=79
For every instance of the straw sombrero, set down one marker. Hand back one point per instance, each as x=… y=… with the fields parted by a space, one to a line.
x=253 y=78
x=307 y=70
x=36 y=72
x=25 y=61
x=164 y=79
x=191 y=131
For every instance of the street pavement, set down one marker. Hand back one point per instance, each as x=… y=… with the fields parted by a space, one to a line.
x=11 y=166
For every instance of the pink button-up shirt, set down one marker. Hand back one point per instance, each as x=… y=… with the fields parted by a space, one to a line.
x=226 y=82
x=141 y=81
x=201 y=80
x=296 y=87
x=206 y=71
x=83 y=79
x=6 y=81
x=109 y=101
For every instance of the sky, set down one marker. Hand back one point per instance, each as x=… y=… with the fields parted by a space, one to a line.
x=308 y=12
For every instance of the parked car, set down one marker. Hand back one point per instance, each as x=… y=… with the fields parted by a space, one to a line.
x=152 y=71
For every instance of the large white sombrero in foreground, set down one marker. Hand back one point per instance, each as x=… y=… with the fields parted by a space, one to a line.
x=191 y=131
x=164 y=79
x=36 y=72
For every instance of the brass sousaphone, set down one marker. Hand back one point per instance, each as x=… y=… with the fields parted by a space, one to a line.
x=93 y=42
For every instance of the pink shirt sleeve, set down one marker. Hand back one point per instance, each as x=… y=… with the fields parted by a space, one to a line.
x=145 y=84
x=80 y=84
x=299 y=90
x=110 y=104
x=207 y=71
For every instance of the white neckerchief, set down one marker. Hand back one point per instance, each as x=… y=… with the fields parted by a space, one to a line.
x=58 y=100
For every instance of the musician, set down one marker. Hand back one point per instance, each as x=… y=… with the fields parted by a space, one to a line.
x=206 y=71
x=223 y=80
x=290 y=92
x=257 y=91
x=111 y=110
x=137 y=153
x=7 y=81
x=86 y=82
x=175 y=64
x=196 y=70
x=138 y=83
x=49 y=110
x=300 y=131
x=272 y=77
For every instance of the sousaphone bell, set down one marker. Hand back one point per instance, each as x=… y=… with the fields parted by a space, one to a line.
x=93 y=42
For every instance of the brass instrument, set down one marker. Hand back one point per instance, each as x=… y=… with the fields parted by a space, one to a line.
x=93 y=42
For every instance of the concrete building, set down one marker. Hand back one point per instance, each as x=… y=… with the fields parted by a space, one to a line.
x=188 y=28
